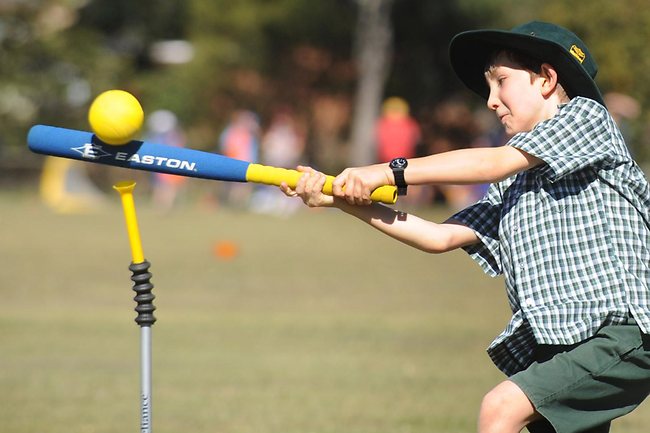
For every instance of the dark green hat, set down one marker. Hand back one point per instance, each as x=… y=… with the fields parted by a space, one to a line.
x=549 y=43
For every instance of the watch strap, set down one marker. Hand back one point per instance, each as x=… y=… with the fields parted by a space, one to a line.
x=400 y=183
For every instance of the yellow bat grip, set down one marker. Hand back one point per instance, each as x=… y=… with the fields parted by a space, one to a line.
x=275 y=176
x=126 y=193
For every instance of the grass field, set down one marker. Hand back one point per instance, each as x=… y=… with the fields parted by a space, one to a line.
x=319 y=325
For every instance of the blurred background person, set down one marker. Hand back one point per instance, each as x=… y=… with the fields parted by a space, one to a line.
x=624 y=109
x=397 y=133
x=163 y=127
x=282 y=145
x=450 y=126
x=240 y=140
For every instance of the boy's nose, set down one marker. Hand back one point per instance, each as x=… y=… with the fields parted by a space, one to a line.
x=492 y=101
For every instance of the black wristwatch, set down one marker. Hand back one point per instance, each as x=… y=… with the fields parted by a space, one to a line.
x=398 y=165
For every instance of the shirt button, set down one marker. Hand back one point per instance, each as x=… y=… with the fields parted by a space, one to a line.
x=530 y=302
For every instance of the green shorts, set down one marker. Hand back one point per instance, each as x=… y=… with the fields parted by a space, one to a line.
x=581 y=388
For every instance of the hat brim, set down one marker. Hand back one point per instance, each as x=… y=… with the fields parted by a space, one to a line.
x=469 y=53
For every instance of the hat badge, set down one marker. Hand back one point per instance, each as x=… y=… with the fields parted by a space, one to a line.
x=577 y=53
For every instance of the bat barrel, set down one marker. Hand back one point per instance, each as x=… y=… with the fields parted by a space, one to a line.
x=138 y=155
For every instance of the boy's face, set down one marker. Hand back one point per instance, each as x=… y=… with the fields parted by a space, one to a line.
x=516 y=95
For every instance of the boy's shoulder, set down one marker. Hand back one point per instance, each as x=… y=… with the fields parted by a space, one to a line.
x=580 y=110
x=576 y=121
x=581 y=134
x=582 y=105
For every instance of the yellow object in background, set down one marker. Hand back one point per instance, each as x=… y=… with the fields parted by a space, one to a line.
x=65 y=188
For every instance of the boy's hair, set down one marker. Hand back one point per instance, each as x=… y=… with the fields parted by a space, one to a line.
x=531 y=64
x=524 y=60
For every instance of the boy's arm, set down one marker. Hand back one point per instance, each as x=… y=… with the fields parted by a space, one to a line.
x=419 y=233
x=409 y=229
x=464 y=166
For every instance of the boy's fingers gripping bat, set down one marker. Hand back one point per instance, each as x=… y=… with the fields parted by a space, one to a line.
x=141 y=155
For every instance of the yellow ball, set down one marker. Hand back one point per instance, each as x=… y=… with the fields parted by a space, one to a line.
x=115 y=117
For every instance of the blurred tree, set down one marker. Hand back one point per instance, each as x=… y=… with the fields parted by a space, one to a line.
x=41 y=78
x=420 y=66
x=618 y=34
x=129 y=28
x=57 y=54
x=257 y=54
x=373 y=52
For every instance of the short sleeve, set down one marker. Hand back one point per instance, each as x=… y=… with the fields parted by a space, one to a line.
x=579 y=136
x=484 y=218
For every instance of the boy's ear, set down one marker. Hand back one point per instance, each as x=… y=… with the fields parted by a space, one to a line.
x=549 y=77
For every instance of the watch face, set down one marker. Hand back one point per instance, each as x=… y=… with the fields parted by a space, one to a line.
x=398 y=163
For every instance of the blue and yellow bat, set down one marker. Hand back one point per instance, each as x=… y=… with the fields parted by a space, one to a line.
x=141 y=155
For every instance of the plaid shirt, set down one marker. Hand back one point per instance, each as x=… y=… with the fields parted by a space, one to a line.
x=571 y=236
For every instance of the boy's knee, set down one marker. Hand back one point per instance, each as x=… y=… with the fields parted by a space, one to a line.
x=505 y=409
x=491 y=417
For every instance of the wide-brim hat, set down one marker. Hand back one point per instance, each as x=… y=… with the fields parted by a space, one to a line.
x=470 y=51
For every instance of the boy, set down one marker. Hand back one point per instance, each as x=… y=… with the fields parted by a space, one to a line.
x=566 y=220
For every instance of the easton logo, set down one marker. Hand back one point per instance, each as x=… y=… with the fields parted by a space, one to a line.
x=91 y=151
x=95 y=152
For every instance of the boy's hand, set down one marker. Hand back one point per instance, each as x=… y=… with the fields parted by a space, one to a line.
x=309 y=188
x=356 y=184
